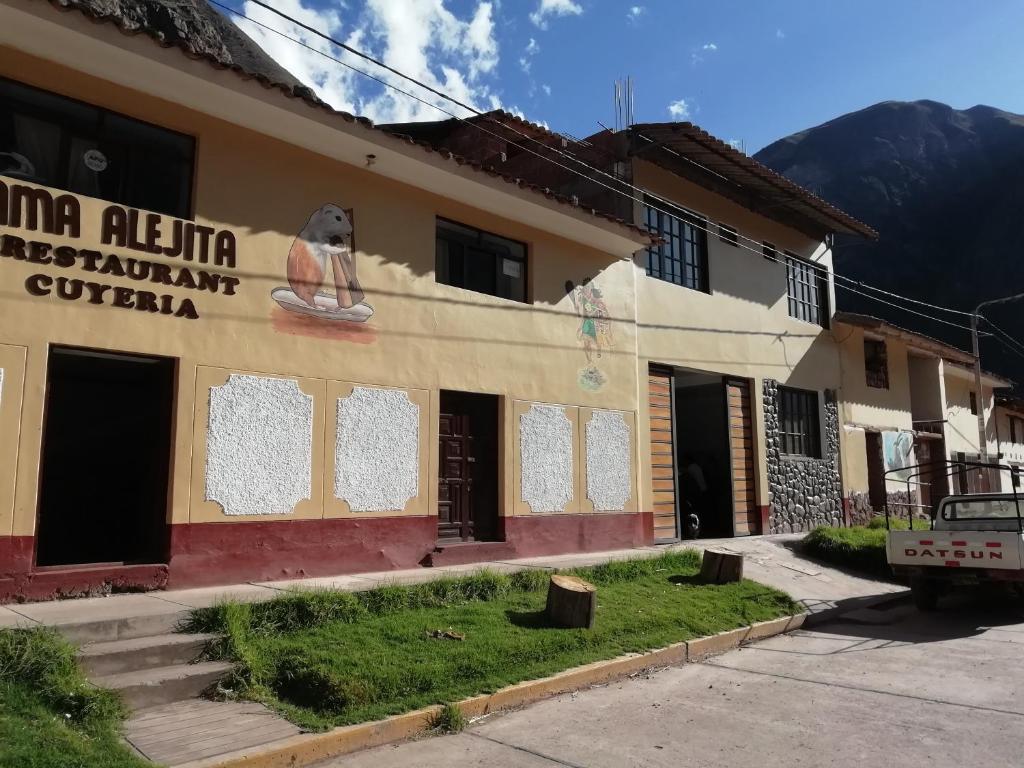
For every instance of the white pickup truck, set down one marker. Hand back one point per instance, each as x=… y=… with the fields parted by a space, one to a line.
x=973 y=539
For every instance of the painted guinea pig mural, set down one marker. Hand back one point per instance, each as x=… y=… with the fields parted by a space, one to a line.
x=325 y=240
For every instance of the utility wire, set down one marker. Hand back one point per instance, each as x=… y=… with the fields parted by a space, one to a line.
x=1004 y=334
x=689 y=220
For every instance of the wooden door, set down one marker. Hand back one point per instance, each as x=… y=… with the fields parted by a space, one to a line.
x=663 y=460
x=455 y=484
x=746 y=519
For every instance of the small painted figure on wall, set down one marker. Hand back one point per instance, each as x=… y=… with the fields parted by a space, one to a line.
x=326 y=237
x=594 y=332
x=306 y=307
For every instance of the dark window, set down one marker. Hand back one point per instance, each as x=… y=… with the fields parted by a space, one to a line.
x=728 y=234
x=1016 y=430
x=683 y=256
x=769 y=252
x=876 y=364
x=974 y=404
x=799 y=430
x=807 y=289
x=59 y=142
x=479 y=261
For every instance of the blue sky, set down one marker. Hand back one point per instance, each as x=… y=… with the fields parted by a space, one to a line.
x=749 y=71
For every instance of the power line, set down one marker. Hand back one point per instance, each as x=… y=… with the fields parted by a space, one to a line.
x=706 y=229
x=1004 y=334
x=864 y=285
x=904 y=309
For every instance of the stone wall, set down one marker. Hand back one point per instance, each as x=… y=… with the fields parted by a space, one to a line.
x=861 y=511
x=802 y=493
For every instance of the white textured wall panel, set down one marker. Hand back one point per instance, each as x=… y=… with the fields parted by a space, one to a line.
x=546 y=460
x=259 y=446
x=608 y=460
x=377 y=450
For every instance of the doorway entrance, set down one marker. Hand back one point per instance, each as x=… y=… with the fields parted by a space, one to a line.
x=467 y=498
x=702 y=455
x=106 y=451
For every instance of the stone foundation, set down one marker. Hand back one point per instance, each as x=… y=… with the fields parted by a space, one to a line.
x=860 y=510
x=803 y=493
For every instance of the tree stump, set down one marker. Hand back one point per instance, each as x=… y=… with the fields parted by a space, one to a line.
x=571 y=602
x=721 y=567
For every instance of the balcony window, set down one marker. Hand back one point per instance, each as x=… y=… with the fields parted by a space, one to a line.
x=470 y=258
x=58 y=142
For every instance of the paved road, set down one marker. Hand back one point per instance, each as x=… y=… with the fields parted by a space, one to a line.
x=879 y=687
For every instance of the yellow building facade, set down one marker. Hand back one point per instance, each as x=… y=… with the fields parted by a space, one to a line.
x=275 y=382
x=245 y=337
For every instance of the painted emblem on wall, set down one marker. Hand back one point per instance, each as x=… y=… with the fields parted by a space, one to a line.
x=325 y=244
x=594 y=332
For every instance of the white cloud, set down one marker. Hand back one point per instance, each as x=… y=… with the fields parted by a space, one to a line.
x=736 y=144
x=526 y=60
x=680 y=109
x=421 y=38
x=635 y=12
x=548 y=8
x=709 y=47
x=546 y=88
x=780 y=34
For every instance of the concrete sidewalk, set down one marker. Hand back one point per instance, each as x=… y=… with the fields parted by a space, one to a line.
x=892 y=688
x=770 y=560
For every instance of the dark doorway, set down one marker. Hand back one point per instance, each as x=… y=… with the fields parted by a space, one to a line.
x=467 y=498
x=703 y=461
x=106 y=450
x=877 y=491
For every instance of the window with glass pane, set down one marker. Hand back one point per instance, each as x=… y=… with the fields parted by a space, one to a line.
x=682 y=257
x=807 y=289
x=876 y=364
x=479 y=261
x=799 y=425
x=59 y=142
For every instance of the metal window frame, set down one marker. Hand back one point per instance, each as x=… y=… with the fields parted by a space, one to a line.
x=668 y=260
x=801 y=409
x=807 y=290
x=480 y=245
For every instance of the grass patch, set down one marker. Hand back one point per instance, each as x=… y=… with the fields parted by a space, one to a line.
x=448 y=720
x=329 y=658
x=50 y=716
x=857 y=548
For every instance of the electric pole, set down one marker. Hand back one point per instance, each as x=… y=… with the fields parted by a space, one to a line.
x=978 y=396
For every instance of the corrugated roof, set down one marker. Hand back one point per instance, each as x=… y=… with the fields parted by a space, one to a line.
x=714 y=155
x=142 y=20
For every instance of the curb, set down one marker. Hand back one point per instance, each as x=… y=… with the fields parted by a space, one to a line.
x=309 y=748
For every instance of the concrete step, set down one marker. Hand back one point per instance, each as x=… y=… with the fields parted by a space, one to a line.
x=115 y=656
x=163 y=685
x=121 y=628
x=466 y=552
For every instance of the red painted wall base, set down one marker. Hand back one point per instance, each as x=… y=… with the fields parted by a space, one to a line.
x=19 y=581
x=211 y=554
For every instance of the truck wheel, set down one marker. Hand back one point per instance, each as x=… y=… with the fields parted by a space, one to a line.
x=925 y=593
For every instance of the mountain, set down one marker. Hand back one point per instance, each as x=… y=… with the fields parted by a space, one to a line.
x=945 y=190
